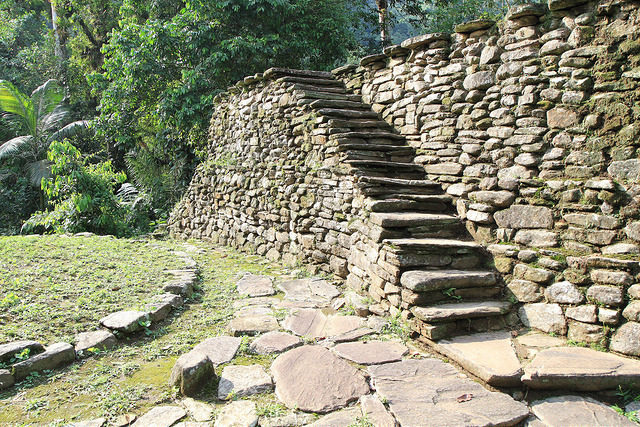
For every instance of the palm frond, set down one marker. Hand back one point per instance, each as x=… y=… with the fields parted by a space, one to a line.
x=127 y=193
x=15 y=145
x=15 y=103
x=37 y=171
x=46 y=98
x=53 y=120
x=74 y=128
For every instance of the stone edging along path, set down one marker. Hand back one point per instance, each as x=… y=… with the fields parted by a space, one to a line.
x=345 y=368
x=115 y=324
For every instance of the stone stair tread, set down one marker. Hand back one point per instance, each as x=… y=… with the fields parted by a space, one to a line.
x=385 y=164
x=395 y=204
x=311 y=81
x=375 y=147
x=461 y=310
x=432 y=280
x=368 y=134
x=431 y=243
x=344 y=112
x=398 y=181
x=349 y=124
x=280 y=72
x=488 y=355
x=310 y=96
x=320 y=89
x=409 y=219
x=340 y=104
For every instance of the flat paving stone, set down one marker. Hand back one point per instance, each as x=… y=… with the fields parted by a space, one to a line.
x=252 y=325
x=246 y=302
x=241 y=380
x=253 y=310
x=374 y=411
x=315 y=291
x=562 y=411
x=312 y=379
x=372 y=352
x=252 y=285
x=124 y=321
x=489 y=356
x=219 y=349
x=98 y=422
x=8 y=350
x=161 y=416
x=54 y=356
x=240 y=413
x=290 y=420
x=314 y=323
x=354 y=335
x=199 y=411
x=343 y=418
x=274 y=342
x=431 y=392
x=577 y=368
x=100 y=340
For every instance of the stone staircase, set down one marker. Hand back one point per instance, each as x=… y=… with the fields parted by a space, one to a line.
x=445 y=278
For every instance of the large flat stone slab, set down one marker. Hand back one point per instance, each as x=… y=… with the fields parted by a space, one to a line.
x=124 y=321
x=253 y=324
x=241 y=380
x=316 y=291
x=241 y=413
x=252 y=285
x=7 y=351
x=577 y=368
x=462 y=310
x=314 y=323
x=274 y=342
x=313 y=379
x=54 y=356
x=432 y=392
x=99 y=340
x=161 y=416
x=374 y=411
x=489 y=356
x=562 y=411
x=219 y=349
x=372 y=352
x=345 y=417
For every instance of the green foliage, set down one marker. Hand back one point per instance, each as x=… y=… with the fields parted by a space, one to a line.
x=82 y=196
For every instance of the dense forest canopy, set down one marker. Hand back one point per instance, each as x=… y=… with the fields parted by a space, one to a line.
x=137 y=80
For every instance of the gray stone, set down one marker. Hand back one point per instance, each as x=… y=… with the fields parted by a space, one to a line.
x=537 y=238
x=317 y=291
x=489 y=355
x=7 y=351
x=447 y=168
x=626 y=339
x=314 y=323
x=274 y=342
x=546 y=317
x=561 y=411
x=344 y=417
x=564 y=293
x=191 y=372
x=625 y=170
x=632 y=311
x=499 y=199
x=251 y=325
x=633 y=230
x=199 y=411
x=295 y=419
x=586 y=332
x=6 y=379
x=554 y=47
x=54 y=356
x=241 y=380
x=99 y=340
x=374 y=411
x=608 y=316
x=581 y=369
x=98 y=422
x=582 y=313
x=538 y=275
x=605 y=277
x=524 y=216
x=161 y=416
x=428 y=389
x=371 y=352
x=592 y=220
x=607 y=295
x=240 y=413
x=527 y=9
x=474 y=25
x=125 y=321
x=490 y=55
x=561 y=118
x=621 y=249
x=219 y=350
x=312 y=379
x=634 y=291
x=633 y=406
x=525 y=291
x=255 y=286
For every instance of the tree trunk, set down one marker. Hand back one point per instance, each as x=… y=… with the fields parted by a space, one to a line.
x=60 y=48
x=382 y=21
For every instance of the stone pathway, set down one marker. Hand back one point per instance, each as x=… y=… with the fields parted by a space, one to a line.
x=333 y=369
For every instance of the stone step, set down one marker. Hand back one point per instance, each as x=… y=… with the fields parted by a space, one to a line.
x=350 y=125
x=339 y=104
x=390 y=166
x=381 y=186
x=429 y=203
x=372 y=134
x=371 y=142
x=411 y=219
x=387 y=156
x=462 y=310
x=431 y=280
x=319 y=89
x=308 y=96
x=311 y=81
x=394 y=149
x=437 y=331
x=276 y=72
x=433 y=252
x=347 y=113
x=432 y=245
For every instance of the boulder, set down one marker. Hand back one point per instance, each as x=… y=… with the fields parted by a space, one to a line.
x=626 y=339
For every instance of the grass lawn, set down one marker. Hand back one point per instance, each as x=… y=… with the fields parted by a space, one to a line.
x=64 y=285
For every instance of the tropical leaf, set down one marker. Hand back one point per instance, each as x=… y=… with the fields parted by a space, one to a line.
x=15 y=145
x=53 y=120
x=37 y=171
x=74 y=128
x=46 y=98
x=15 y=103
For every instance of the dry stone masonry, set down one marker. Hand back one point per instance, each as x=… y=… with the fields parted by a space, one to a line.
x=433 y=174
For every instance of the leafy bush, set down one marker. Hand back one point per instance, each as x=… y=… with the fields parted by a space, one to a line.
x=82 y=197
x=18 y=198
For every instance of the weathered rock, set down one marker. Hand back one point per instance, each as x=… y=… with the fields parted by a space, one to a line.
x=489 y=355
x=538 y=275
x=125 y=321
x=625 y=170
x=537 y=238
x=317 y=291
x=240 y=413
x=251 y=325
x=312 y=379
x=546 y=317
x=199 y=411
x=161 y=416
x=585 y=332
x=7 y=351
x=99 y=340
x=219 y=349
x=608 y=295
x=525 y=290
x=274 y=342
x=634 y=292
x=564 y=293
x=371 y=352
x=314 y=323
x=577 y=368
x=295 y=419
x=626 y=340
x=428 y=389
x=54 y=356
x=633 y=230
x=240 y=380
x=98 y=422
x=582 y=313
x=344 y=417
x=561 y=118
x=191 y=372
x=499 y=199
x=576 y=410
x=564 y=4
x=604 y=277
x=524 y=216
x=632 y=311
x=6 y=379
x=255 y=286
x=374 y=411
x=474 y=25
